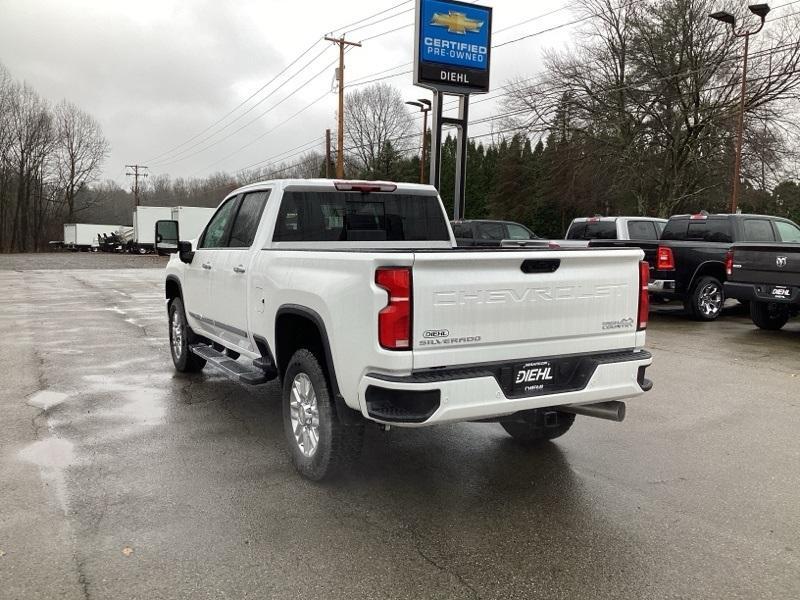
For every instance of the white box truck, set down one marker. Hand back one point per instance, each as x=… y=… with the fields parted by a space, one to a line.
x=83 y=236
x=144 y=226
x=191 y=220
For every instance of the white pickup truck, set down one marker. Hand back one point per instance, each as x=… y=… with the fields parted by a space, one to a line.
x=355 y=296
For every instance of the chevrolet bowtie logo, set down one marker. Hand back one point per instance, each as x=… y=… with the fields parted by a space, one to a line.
x=457 y=22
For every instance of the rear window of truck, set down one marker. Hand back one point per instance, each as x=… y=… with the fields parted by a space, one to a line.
x=699 y=230
x=593 y=230
x=327 y=216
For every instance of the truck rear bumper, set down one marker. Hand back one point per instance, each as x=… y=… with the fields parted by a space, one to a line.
x=482 y=392
x=662 y=286
x=754 y=292
x=740 y=291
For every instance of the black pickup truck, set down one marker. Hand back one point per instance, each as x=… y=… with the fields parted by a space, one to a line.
x=688 y=262
x=768 y=277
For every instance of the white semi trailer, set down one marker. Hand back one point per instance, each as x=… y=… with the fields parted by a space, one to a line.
x=83 y=236
x=144 y=226
x=191 y=220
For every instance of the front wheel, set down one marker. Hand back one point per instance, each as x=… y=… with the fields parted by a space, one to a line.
x=320 y=444
x=707 y=299
x=540 y=425
x=769 y=315
x=180 y=337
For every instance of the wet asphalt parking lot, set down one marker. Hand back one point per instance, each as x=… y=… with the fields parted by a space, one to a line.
x=121 y=479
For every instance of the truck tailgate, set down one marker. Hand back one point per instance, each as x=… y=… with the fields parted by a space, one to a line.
x=770 y=263
x=481 y=307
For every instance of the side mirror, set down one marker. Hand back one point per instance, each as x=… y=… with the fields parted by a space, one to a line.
x=185 y=252
x=166 y=237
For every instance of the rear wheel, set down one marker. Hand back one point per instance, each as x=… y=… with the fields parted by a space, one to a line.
x=320 y=444
x=707 y=299
x=540 y=425
x=181 y=337
x=769 y=315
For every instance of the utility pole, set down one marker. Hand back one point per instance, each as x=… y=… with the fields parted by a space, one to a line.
x=424 y=107
x=327 y=154
x=761 y=11
x=136 y=171
x=341 y=42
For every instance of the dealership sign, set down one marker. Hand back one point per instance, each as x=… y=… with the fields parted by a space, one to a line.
x=453 y=46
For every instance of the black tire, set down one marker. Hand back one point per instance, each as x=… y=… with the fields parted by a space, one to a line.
x=769 y=315
x=181 y=337
x=706 y=300
x=337 y=444
x=537 y=426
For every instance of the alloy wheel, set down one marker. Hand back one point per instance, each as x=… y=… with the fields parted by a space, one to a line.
x=304 y=414
x=177 y=335
x=710 y=300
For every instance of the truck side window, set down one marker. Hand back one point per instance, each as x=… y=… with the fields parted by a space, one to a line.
x=518 y=232
x=758 y=230
x=245 y=226
x=642 y=230
x=789 y=232
x=577 y=231
x=462 y=230
x=490 y=231
x=676 y=229
x=214 y=235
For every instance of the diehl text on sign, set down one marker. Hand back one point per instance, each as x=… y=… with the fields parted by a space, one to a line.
x=453 y=48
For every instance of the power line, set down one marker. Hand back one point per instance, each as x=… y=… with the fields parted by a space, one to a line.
x=184 y=154
x=348 y=29
x=273 y=129
x=242 y=103
x=263 y=87
x=266 y=133
x=258 y=117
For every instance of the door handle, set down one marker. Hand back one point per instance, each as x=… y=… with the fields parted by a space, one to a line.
x=239 y=269
x=207 y=266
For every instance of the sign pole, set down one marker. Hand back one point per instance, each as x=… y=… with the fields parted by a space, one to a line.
x=436 y=140
x=459 y=206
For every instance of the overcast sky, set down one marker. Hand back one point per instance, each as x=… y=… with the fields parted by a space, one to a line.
x=155 y=73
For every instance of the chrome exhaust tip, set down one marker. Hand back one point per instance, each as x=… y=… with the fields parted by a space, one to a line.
x=610 y=411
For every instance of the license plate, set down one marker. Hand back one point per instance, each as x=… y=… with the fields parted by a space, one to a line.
x=534 y=377
x=782 y=293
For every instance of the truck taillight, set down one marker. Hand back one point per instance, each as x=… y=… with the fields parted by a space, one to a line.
x=394 y=321
x=665 y=262
x=729 y=263
x=644 y=295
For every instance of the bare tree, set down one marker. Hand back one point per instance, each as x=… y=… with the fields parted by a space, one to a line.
x=82 y=148
x=8 y=98
x=32 y=141
x=649 y=96
x=377 y=119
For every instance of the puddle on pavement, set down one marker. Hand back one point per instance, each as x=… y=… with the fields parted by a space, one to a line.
x=52 y=456
x=50 y=453
x=143 y=403
x=46 y=399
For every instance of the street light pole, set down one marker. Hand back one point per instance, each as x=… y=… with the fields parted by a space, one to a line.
x=761 y=11
x=424 y=107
